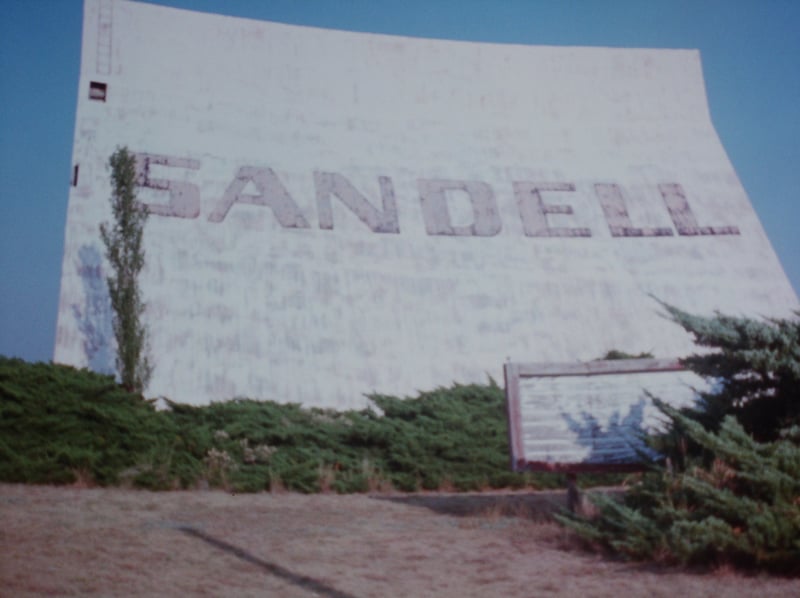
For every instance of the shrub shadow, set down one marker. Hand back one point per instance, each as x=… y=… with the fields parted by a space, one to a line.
x=534 y=506
x=94 y=317
x=620 y=441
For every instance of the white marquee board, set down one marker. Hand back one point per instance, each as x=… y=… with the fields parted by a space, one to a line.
x=339 y=213
x=591 y=416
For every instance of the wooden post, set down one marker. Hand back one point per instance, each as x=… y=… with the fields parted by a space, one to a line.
x=573 y=494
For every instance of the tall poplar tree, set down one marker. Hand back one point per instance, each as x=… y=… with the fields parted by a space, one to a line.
x=124 y=251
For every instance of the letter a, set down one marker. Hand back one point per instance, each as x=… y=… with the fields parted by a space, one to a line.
x=271 y=193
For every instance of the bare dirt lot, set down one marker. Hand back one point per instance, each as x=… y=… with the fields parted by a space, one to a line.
x=114 y=542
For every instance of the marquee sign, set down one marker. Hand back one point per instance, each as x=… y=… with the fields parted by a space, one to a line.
x=590 y=416
x=335 y=214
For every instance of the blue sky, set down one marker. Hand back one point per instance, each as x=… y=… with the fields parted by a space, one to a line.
x=751 y=60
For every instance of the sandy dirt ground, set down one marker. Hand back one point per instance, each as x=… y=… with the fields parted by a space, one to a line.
x=114 y=542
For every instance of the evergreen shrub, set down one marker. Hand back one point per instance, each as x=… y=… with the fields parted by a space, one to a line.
x=59 y=424
x=729 y=491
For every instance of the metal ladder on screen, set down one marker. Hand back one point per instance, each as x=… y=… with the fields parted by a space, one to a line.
x=103 y=55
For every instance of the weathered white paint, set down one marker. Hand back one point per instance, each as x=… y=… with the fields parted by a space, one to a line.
x=340 y=213
x=591 y=415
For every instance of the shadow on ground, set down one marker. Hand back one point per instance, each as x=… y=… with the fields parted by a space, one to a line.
x=535 y=506
x=318 y=588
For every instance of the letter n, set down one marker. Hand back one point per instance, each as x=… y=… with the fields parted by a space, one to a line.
x=333 y=183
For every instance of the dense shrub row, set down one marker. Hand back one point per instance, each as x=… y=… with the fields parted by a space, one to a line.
x=61 y=425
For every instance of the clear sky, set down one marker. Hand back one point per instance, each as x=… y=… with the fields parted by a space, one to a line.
x=751 y=59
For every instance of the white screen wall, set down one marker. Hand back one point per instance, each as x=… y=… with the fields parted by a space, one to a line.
x=340 y=213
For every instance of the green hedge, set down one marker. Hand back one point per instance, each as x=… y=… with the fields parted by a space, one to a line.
x=60 y=425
